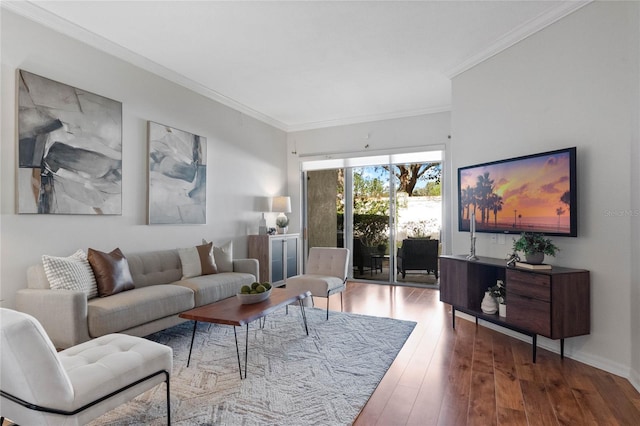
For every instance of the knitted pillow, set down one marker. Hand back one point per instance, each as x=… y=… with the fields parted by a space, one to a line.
x=71 y=273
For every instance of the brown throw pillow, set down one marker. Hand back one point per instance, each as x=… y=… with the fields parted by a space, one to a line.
x=111 y=271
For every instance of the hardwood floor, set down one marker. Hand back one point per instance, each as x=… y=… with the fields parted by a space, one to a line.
x=477 y=376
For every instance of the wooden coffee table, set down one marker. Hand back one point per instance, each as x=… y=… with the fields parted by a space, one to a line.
x=231 y=312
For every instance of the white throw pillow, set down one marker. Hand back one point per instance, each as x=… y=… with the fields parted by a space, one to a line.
x=223 y=256
x=71 y=273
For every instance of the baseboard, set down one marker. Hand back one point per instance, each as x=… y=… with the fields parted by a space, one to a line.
x=554 y=346
x=634 y=379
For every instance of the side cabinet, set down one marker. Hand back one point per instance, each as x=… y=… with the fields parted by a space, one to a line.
x=554 y=303
x=277 y=255
x=453 y=282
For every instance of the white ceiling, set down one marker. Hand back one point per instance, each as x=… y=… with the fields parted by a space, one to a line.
x=305 y=64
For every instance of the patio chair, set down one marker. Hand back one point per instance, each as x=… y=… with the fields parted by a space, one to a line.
x=418 y=254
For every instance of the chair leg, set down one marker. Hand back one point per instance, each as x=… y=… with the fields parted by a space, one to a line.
x=341 y=303
x=327 y=306
x=168 y=401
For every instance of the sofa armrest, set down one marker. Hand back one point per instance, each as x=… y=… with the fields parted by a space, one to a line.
x=62 y=313
x=248 y=266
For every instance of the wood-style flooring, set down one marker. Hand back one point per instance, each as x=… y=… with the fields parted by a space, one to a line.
x=478 y=376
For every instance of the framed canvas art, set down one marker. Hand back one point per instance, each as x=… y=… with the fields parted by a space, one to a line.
x=177 y=176
x=69 y=149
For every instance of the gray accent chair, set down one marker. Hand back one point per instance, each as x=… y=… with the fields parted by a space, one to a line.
x=326 y=273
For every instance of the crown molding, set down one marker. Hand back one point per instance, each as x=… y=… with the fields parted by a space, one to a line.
x=42 y=16
x=367 y=118
x=518 y=34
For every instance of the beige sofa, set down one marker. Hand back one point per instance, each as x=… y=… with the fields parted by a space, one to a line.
x=159 y=296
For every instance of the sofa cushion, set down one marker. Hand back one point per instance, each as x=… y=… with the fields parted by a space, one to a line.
x=155 y=267
x=197 y=261
x=132 y=308
x=70 y=273
x=111 y=271
x=111 y=362
x=211 y=288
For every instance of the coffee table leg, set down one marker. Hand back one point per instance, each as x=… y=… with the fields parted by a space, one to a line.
x=246 y=351
x=195 y=324
x=237 y=351
x=304 y=316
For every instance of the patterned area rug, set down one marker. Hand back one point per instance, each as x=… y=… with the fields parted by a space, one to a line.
x=293 y=379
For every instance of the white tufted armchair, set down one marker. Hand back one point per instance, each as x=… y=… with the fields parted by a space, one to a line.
x=326 y=274
x=39 y=386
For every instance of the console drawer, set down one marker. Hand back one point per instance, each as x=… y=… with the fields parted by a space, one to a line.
x=535 y=286
x=528 y=313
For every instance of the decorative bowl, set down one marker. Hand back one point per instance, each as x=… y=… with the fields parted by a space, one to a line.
x=247 y=299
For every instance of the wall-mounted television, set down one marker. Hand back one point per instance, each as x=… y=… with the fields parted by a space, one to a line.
x=533 y=193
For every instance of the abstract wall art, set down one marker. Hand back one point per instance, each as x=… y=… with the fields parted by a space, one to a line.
x=69 y=149
x=177 y=176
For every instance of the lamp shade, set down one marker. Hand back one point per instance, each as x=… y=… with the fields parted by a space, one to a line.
x=281 y=204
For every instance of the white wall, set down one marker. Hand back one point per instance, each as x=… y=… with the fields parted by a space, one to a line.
x=410 y=134
x=575 y=83
x=246 y=158
x=634 y=159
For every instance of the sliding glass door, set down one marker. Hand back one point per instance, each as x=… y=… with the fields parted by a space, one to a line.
x=374 y=206
x=372 y=223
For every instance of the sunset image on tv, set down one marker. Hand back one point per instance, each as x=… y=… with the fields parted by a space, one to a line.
x=530 y=194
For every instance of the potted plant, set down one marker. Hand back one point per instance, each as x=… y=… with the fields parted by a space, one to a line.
x=499 y=292
x=282 y=222
x=534 y=245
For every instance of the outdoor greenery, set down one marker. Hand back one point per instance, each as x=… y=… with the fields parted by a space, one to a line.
x=371 y=196
x=372 y=229
x=409 y=175
x=421 y=228
x=371 y=199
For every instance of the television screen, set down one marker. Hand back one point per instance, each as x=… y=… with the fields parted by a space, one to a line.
x=534 y=193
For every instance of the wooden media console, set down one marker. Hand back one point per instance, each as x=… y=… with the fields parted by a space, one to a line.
x=554 y=303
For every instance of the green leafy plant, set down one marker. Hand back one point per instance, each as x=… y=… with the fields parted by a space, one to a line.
x=499 y=292
x=534 y=242
x=420 y=229
x=282 y=221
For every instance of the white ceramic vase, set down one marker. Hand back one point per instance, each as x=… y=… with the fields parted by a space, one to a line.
x=489 y=304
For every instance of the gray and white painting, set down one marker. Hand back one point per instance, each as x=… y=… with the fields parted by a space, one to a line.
x=177 y=176
x=69 y=149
